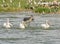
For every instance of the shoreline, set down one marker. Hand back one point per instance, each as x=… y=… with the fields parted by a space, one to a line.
x=29 y=11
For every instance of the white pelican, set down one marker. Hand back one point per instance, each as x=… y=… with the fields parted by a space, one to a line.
x=46 y=25
x=25 y=21
x=7 y=24
x=22 y=25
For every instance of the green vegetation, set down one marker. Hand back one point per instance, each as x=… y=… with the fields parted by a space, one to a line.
x=19 y=5
x=42 y=9
x=14 y=6
x=46 y=10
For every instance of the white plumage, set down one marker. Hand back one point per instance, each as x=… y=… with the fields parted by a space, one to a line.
x=7 y=24
x=22 y=25
x=46 y=25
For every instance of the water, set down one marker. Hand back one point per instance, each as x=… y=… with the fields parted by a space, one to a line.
x=33 y=34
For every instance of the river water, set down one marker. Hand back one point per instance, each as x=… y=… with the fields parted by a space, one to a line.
x=33 y=34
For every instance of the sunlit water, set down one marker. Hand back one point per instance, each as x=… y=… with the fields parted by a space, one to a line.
x=33 y=34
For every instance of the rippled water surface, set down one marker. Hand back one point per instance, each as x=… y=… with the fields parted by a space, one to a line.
x=33 y=34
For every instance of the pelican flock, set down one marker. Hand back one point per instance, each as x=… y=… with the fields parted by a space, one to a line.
x=23 y=24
